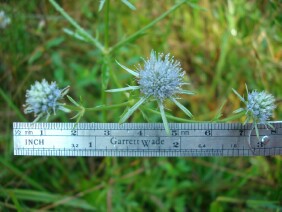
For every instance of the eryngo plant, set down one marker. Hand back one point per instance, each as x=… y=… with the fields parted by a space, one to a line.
x=159 y=79
x=259 y=107
x=43 y=98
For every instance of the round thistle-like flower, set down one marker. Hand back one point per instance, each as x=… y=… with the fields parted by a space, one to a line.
x=260 y=106
x=4 y=20
x=161 y=77
x=43 y=98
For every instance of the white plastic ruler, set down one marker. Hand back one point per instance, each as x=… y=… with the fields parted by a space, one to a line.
x=145 y=139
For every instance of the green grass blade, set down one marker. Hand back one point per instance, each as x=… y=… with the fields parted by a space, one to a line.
x=148 y=26
x=10 y=103
x=22 y=175
x=38 y=196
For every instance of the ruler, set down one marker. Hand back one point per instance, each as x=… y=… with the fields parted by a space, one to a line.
x=146 y=139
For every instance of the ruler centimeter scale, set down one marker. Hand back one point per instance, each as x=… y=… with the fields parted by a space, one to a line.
x=146 y=139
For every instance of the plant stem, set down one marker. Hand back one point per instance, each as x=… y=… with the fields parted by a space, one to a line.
x=141 y=31
x=232 y=118
x=106 y=60
x=106 y=107
x=107 y=14
x=81 y=31
x=172 y=117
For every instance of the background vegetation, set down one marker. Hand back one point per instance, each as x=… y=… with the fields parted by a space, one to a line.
x=223 y=46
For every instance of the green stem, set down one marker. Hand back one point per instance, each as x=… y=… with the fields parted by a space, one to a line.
x=81 y=31
x=106 y=59
x=232 y=118
x=139 y=32
x=107 y=14
x=107 y=107
x=172 y=117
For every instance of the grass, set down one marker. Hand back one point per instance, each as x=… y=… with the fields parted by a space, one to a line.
x=223 y=46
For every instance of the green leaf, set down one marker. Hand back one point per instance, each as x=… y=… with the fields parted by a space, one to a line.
x=38 y=196
x=16 y=172
x=148 y=26
x=127 y=3
x=54 y=42
x=161 y=106
x=128 y=70
x=186 y=92
x=196 y=6
x=218 y=114
x=123 y=89
x=81 y=31
x=240 y=97
x=101 y=5
x=132 y=109
x=35 y=56
x=184 y=109
x=239 y=110
x=74 y=34
x=73 y=101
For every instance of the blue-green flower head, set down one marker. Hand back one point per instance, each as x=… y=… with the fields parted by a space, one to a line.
x=161 y=77
x=43 y=98
x=260 y=105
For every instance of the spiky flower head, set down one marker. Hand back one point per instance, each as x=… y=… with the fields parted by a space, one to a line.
x=259 y=106
x=4 y=20
x=161 y=78
x=43 y=98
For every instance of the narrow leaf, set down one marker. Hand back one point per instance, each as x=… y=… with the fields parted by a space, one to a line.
x=123 y=89
x=127 y=3
x=196 y=6
x=101 y=5
x=184 y=109
x=240 y=97
x=73 y=101
x=73 y=34
x=161 y=106
x=219 y=112
x=186 y=92
x=132 y=109
x=238 y=110
x=38 y=196
x=128 y=70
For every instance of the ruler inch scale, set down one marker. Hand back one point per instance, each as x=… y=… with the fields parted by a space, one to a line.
x=146 y=139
